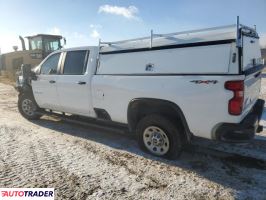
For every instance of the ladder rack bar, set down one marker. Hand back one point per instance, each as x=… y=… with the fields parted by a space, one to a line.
x=151 y=37
x=99 y=44
x=123 y=41
x=238 y=34
x=246 y=27
x=194 y=31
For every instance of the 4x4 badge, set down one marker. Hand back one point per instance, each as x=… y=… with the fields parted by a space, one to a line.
x=204 y=81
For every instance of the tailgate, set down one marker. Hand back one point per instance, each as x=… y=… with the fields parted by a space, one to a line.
x=252 y=90
x=252 y=68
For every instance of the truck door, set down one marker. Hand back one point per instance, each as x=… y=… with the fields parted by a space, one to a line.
x=74 y=85
x=45 y=87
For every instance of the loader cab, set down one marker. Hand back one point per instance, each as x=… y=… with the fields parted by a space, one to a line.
x=46 y=43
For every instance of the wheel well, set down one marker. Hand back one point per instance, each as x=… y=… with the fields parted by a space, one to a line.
x=139 y=108
x=25 y=89
x=27 y=93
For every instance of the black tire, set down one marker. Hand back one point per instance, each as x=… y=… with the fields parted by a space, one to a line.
x=30 y=115
x=171 y=131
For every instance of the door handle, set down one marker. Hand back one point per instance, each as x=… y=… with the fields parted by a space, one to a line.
x=81 y=82
x=51 y=81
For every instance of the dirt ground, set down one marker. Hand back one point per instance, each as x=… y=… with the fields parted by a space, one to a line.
x=86 y=163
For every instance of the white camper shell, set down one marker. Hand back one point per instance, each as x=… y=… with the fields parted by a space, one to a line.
x=203 y=51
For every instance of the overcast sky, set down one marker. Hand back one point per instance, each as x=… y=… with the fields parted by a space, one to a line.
x=83 y=22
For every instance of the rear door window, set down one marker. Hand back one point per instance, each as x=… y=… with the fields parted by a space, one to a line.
x=75 y=62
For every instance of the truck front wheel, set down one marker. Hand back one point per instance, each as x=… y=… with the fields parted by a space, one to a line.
x=159 y=136
x=28 y=107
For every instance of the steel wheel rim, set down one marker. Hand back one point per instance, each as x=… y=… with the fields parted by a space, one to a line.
x=156 y=140
x=28 y=107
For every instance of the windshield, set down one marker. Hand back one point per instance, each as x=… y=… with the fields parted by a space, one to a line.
x=51 y=44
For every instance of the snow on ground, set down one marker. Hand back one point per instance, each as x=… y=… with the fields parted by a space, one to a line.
x=86 y=163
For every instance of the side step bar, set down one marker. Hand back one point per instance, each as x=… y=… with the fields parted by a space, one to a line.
x=90 y=122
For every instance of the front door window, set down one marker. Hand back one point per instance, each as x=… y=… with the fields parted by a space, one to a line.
x=51 y=64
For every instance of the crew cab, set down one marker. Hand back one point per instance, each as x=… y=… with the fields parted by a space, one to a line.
x=167 y=88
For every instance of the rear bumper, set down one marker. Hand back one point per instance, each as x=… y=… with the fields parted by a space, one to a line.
x=246 y=129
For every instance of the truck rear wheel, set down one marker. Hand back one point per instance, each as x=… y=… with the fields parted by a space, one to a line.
x=28 y=107
x=159 y=136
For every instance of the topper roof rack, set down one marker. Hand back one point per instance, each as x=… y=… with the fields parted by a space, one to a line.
x=149 y=41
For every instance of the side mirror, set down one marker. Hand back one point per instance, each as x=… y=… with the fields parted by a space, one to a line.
x=33 y=76
x=64 y=41
x=27 y=72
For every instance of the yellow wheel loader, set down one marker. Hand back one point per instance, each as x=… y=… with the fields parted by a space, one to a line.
x=39 y=45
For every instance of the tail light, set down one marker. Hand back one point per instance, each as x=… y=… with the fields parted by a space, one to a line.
x=235 y=105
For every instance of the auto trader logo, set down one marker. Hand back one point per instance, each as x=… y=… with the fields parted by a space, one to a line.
x=27 y=193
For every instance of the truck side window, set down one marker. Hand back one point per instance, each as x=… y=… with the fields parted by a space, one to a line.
x=75 y=62
x=50 y=65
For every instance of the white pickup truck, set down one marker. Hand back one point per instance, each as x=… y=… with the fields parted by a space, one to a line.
x=166 y=88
